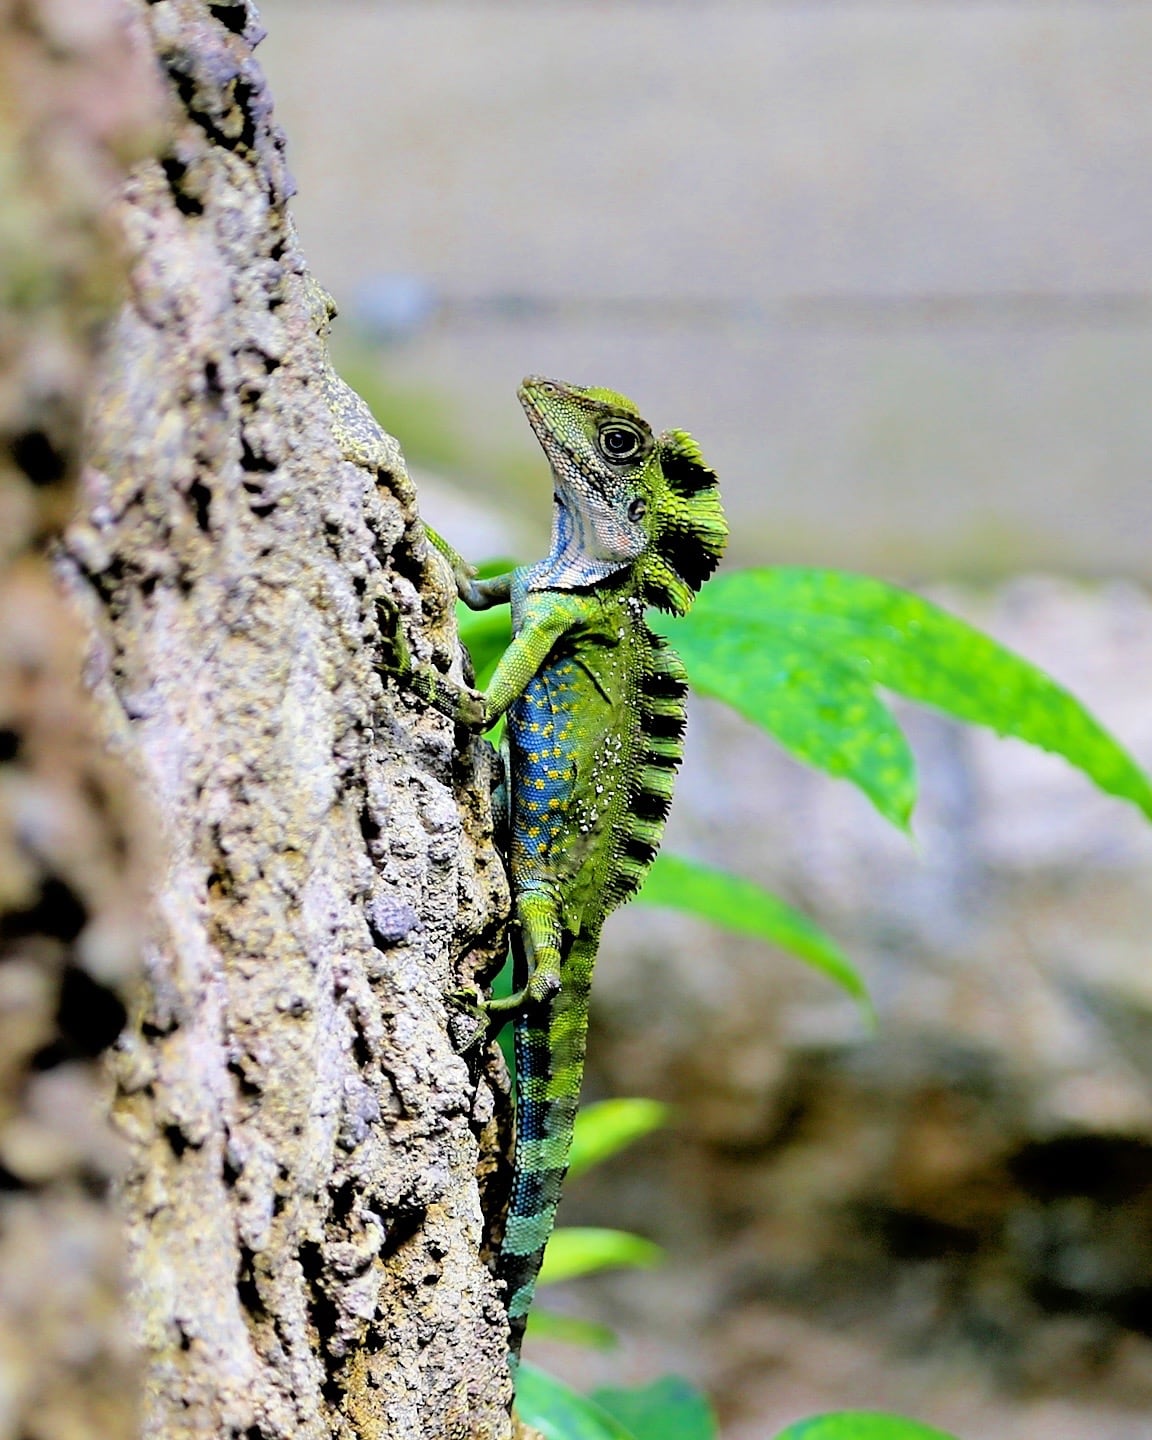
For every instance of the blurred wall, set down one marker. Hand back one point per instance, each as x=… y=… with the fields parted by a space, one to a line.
x=889 y=261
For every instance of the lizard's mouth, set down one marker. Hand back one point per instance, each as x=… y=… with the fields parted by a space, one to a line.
x=535 y=414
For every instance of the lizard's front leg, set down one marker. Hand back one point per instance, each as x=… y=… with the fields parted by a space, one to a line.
x=476 y=594
x=517 y=665
x=459 y=702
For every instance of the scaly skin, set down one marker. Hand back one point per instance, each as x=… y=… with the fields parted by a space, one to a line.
x=595 y=722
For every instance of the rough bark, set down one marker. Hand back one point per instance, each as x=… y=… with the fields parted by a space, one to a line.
x=76 y=104
x=302 y=1202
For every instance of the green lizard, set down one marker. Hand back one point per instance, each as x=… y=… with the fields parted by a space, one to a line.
x=595 y=722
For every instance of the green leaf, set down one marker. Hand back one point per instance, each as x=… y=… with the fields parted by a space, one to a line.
x=569 y=1330
x=583 y=1249
x=501 y=988
x=559 y=1413
x=800 y=652
x=739 y=905
x=500 y=565
x=860 y=1425
x=608 y=1126
x=668 y=1409
x=817 y=706
x=486 y=633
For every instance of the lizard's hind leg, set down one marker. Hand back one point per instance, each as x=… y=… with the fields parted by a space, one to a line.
x=541 y=936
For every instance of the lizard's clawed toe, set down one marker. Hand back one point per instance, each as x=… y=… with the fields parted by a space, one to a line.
x=470 y=1022
x=394 y=656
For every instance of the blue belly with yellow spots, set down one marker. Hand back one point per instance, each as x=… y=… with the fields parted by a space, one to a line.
x=543 y=742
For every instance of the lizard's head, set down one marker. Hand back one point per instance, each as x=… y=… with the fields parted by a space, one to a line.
x=625 y=495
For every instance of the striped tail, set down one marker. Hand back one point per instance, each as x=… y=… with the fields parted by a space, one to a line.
x=550 y=1040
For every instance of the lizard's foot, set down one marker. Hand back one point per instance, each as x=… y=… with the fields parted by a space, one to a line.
x=472 y=710
x=470 y=1022
x=545 y=983
x=395 y=657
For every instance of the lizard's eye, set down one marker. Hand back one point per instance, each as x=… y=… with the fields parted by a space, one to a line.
x=618 y=442
x=638 y=509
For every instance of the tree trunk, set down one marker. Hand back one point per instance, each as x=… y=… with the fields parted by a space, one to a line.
x=303 y=1209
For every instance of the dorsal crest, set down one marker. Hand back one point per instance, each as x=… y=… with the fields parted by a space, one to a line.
x=661 y=691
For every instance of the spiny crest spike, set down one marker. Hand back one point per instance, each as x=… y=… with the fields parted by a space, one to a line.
x=684 y=466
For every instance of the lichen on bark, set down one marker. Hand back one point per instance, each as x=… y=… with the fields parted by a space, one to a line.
x=303 y=1211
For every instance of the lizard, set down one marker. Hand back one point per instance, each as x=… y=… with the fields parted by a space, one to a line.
x=595 y=715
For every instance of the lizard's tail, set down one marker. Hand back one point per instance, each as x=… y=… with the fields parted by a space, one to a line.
x=550 y=1042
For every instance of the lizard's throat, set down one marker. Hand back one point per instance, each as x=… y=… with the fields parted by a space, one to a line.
x=582 y=552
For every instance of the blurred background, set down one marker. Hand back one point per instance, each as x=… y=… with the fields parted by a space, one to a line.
x=889 y=262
